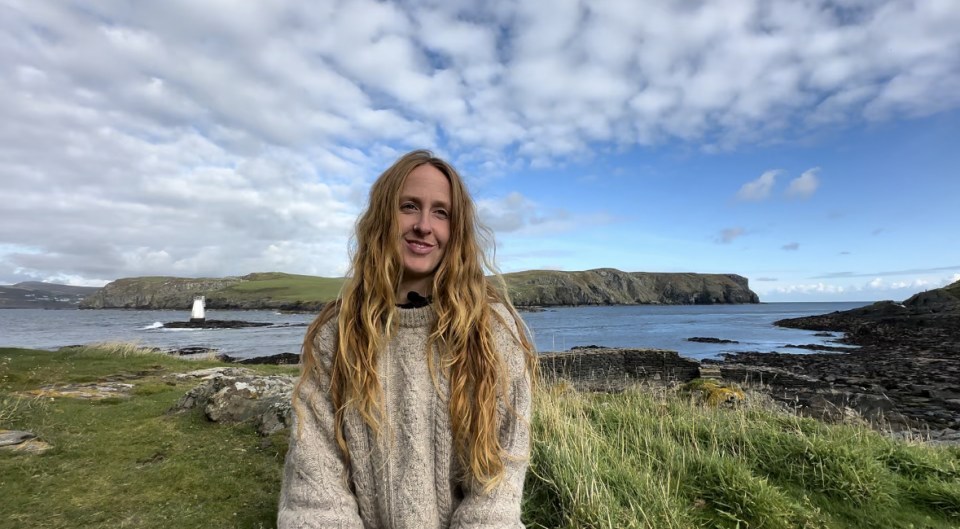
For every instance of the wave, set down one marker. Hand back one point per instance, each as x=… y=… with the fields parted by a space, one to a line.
x=159 y=326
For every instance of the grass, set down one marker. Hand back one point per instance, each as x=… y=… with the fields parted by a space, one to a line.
x=651 y=458
x=641 y=458
x=284 y=287
x=126 y=462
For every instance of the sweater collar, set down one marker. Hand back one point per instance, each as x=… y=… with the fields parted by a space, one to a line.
x=416 y=317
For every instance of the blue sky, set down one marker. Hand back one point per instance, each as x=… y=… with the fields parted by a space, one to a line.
x=809 y=146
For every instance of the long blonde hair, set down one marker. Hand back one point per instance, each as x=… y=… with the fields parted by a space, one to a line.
x=463 y=331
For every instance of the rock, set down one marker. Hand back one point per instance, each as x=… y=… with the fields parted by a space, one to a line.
x=91 y=391
x=702 y=339
x=14 y=437
x=213 y=372
x=19 y=441
x=261 y=399
x=214 y=324
x=277 y=359
x=611 y=369
x=194 y=350
x=275 y=418
x=819 y=347
x=713 y=392
x=903 y=372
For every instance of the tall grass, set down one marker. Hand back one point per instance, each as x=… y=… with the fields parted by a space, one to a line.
x=115 y=349
x=652 y=458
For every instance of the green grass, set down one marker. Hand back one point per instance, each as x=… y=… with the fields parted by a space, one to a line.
x=650 y=458
x=126 y=462
x=642 y=458
x=284 y=287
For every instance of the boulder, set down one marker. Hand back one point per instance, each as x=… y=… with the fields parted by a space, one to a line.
x=263 y=400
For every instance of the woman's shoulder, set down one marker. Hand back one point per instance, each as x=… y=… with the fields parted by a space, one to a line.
x=507 y=334
x=324 y=337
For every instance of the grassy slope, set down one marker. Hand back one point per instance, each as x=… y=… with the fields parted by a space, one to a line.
x=637 y=459
x=953 y=289
x=284 y=287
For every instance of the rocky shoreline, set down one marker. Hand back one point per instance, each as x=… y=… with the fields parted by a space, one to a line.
x=904 y=373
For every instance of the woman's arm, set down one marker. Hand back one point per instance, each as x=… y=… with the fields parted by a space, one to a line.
x=501 y=507
x=314 y=493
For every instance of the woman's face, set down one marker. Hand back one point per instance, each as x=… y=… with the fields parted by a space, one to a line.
x=424 y=226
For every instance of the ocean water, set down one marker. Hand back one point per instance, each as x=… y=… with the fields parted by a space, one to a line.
x=557 y=329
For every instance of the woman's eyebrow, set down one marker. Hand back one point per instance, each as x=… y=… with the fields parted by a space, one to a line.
x=435 y=203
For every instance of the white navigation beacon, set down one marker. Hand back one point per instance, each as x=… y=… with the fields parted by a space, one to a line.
x=197 y=313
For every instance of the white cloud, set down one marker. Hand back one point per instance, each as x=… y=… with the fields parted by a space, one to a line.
x=808 y=288
x=728 y=235
x=518 y=215
x=169 y=136
x=805 y=185
x=759 y=189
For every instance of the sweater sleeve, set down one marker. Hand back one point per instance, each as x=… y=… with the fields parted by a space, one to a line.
x=314 y=493
x=501 y=508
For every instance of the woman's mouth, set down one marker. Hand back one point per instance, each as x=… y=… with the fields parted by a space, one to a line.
x=419 y=247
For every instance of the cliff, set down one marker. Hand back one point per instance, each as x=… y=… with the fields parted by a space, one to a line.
x=608 y=286
x=604 y=286
x=252 y=291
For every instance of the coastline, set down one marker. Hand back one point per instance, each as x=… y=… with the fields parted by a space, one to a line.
x=904 y=373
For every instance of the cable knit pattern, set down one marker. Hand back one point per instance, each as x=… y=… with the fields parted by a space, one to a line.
x=406 y=477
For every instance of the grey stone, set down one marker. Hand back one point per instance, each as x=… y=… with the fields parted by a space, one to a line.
x=14 y=437
x=263 y=400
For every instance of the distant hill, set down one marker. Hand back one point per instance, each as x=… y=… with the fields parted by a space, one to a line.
x=39 y=295
x=274 y=290
x=608 y=286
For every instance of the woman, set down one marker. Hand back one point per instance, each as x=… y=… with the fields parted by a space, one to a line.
x=413 y=405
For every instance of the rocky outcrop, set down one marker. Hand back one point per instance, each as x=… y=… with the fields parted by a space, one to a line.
x=215 y=324
x=608 y=286
x=905 y=371
x=611 y=369
x=280 y=359
x=933 y=309
x=236 y=395
x=156 y=293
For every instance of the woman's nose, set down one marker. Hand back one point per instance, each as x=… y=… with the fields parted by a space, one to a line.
x=423 y=224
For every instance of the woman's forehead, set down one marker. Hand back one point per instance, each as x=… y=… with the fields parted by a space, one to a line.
x=426 y=181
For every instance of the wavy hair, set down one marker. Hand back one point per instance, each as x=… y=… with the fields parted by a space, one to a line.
x=462 y=334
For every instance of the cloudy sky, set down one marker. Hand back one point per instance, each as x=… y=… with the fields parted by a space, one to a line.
x=811 y=146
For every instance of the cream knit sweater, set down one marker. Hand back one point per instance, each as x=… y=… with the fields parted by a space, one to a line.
x=408 y=477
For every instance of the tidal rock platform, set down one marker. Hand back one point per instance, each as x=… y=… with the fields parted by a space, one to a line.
x=214 y=324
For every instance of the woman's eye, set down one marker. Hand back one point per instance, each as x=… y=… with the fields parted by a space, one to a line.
x=408 y=206
x=442 y=214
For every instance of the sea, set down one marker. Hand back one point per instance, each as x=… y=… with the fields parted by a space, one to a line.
x=554 y=329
